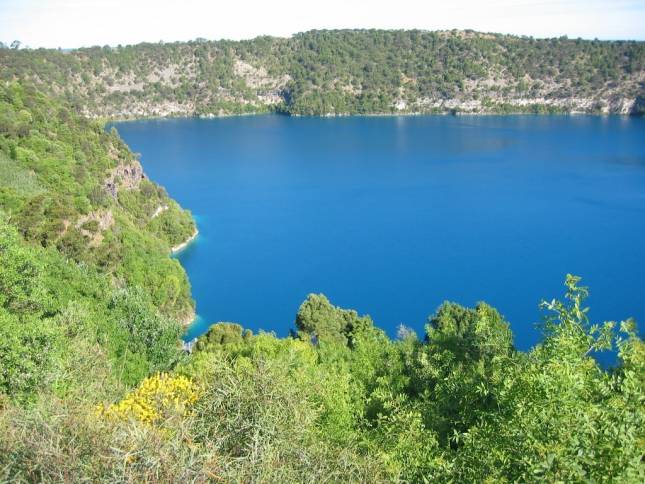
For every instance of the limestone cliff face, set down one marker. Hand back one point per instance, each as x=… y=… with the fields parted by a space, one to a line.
x=342 y=72
x=126 y=176
x=601 y=103
x=638 y=107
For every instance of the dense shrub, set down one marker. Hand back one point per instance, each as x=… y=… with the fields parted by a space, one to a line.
x=323 y=72
x=86 y=327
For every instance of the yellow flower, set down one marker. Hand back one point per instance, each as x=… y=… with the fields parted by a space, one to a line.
x=156 y=398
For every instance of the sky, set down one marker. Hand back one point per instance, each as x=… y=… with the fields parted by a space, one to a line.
x=78 y=23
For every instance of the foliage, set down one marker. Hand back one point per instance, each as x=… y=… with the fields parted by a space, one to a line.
x=319 y=320
x=87 y=306
x=223 y=334
x=459 y=406
x=51 y=305
x=157 y=397
x=330 y=72
x=55 y=191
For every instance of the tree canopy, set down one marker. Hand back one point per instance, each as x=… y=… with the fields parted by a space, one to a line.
x=329 y=72
x=94 y=385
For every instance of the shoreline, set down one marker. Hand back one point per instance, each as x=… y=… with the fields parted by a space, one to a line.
x=169 y=117
x=188 y=319
x=178 y=248
x=117 y=120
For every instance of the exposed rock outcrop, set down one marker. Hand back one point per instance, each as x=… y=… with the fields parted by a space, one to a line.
x=343 y=72
x=185 y=243
x=124 y=177
x=94 y=224
x=638 y=107
x=159 y=210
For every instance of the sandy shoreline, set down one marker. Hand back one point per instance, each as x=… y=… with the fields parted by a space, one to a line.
x=185 y=243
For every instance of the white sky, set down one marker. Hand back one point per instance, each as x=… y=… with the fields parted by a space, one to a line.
x=76 y=23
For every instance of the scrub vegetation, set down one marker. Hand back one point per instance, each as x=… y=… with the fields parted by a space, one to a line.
x=95 y=386
x=335 y=72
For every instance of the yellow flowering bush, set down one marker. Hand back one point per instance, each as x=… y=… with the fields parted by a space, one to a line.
x=156 y=398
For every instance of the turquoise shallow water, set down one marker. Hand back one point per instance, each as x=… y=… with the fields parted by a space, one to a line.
x=393 y=215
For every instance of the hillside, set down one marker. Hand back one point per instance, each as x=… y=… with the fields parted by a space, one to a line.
x=67 y=185
x=342 y=72
x=95 y=386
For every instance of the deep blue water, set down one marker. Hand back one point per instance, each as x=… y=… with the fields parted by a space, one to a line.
x=393 y=215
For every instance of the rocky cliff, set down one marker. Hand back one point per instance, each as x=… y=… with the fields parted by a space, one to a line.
x=342 y=72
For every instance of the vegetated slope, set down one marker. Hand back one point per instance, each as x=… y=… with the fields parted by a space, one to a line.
x=461 y=406
x=66 y=184
x=94 y=386
x=342 y=72
x=89 y=299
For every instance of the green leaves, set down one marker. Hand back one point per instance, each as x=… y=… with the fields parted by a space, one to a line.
x=339 y=402
x=26 y=340
x=567 y=327
x=21 y=287
x=332 y=72
x=54 y=177
x=147 y=333
x=317 y=318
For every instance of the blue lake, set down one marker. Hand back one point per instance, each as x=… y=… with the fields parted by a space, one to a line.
x=393 y=215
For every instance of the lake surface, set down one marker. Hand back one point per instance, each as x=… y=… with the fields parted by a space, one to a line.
x=393 y=215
